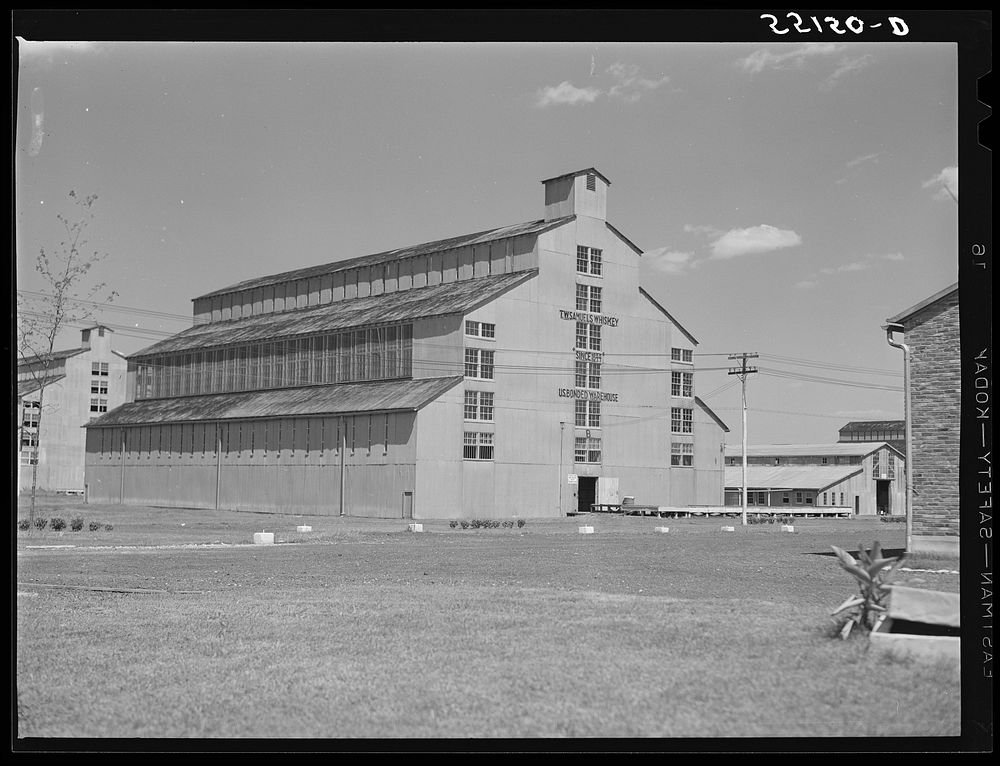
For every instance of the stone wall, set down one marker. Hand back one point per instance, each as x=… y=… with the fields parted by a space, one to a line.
x=935 y=397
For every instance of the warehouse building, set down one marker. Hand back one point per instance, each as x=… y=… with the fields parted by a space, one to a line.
x=892 y=431
x=79 y=384
x=931 y=332
x=497 y=374
x=864 y=478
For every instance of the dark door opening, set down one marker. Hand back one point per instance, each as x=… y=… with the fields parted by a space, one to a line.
x=883 y=503
x=586 y=494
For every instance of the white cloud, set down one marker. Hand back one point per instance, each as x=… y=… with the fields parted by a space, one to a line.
x=756 y=239
x=566 y=93
x=763 y=59
x=806 y=284
x=885 y=256
x=946 y=183
x=670 y=261
x=630 y=86
x=846 y=66
x=711 y=231
x=866 y=158
x=855 y=266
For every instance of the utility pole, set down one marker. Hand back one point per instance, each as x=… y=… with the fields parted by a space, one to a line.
x=742 y=371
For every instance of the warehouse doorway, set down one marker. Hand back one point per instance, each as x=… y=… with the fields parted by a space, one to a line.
x=586 y=494
x=883 y=498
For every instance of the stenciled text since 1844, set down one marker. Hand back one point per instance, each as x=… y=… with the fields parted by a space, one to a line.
x=588 y=356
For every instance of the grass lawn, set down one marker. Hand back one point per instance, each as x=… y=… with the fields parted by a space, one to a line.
x=361 y=629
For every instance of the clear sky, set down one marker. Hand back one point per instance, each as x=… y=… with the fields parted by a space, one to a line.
x=788 y=197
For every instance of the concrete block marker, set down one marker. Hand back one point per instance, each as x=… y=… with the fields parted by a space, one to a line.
x=729 y=529
x=664 y=530
x=787 y=528
x=415 y=527
x=303 y=528
x=263 y=538
x=586 y=530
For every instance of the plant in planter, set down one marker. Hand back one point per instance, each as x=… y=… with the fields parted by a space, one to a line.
x=871 y=573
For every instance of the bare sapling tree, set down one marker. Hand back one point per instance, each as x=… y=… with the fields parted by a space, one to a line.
x=66 y=298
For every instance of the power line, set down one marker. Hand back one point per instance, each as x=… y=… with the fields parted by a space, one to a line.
x=797 y=362
x=112 y=306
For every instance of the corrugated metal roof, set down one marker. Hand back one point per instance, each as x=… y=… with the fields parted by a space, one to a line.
x=337 y=399
x=575 y=173
x=478 y=238
x=449 y=298
x=875 y=425
x=55 y=356
x=807 y=450
x=789 y=477
x=25 y=387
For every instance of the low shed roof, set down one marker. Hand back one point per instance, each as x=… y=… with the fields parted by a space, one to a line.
x=339 y=399
x=448 y=298
x=761 y=477
x=25 y=387
x=850 y=449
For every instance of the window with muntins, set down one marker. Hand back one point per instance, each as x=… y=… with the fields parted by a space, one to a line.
x=479 y=405
x=588 y=298
x=588 y=336
x=588 y=374
x=479 y=364
x=681 y=355
x=588 y=414
x=477 y=446
x=682 y=384
x=681 y=420
x=587 y=449
x=681 y=454
x=589 y=260
x=480 y=329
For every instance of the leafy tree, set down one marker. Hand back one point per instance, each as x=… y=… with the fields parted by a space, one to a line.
x=67 y=297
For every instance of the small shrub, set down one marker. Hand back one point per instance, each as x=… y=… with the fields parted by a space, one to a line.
x=892 y=519
x=464 y=523
x=23 y=524
x=508 y=524
x=76 y=524
x=57 y=524
x=452 y=523
x=871 y=574
x=108 y=527
x=94 y=526
x=520 y=523
x=41 y=523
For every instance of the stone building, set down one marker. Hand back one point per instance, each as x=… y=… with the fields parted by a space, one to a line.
x=931 y=331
